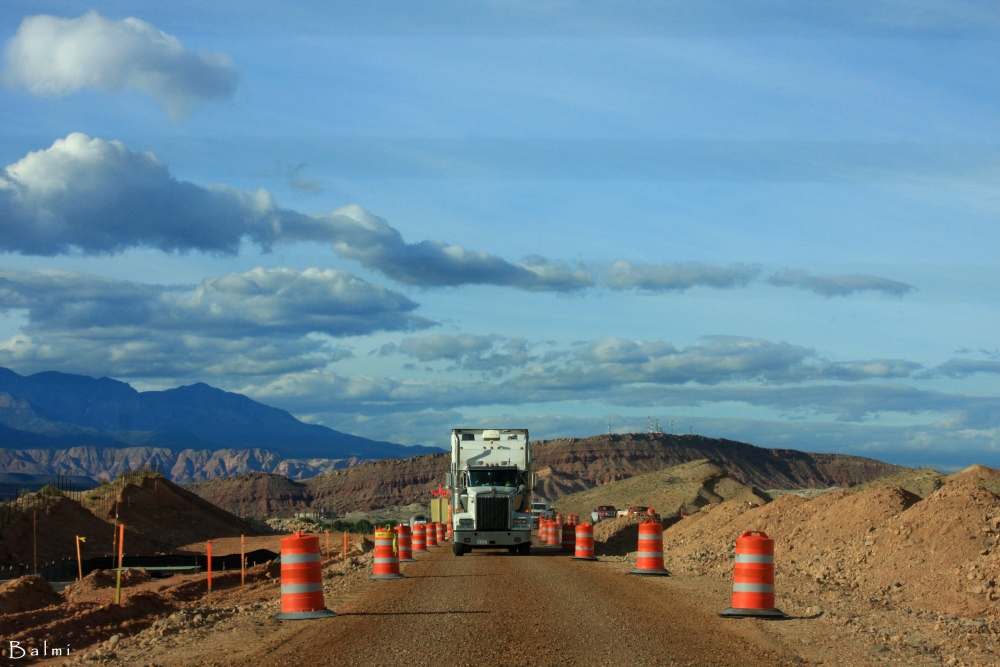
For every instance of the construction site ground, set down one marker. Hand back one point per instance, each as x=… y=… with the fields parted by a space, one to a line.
x=490 y=607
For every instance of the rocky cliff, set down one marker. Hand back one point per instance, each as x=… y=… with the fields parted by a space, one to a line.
x=183 y=466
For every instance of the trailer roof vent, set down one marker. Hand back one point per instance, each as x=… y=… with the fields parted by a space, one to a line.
x=491 y=434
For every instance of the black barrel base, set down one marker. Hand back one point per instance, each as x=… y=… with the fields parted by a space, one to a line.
x=752 y=613
x=303 y=615
x=650 y=573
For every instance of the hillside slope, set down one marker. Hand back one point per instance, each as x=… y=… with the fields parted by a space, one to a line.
x=683 y=488
x=564 y=466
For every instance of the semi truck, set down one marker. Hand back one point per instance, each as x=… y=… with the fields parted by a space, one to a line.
x=491 y=484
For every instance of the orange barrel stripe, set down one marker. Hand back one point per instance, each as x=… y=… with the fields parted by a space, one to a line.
x=649 y=561
x=386 y=562
x=584 y=542
x=431 y=536
x=301 y=579
x=554 y=531
x=405 y=543
x=568 y=537
x=419 y=538
x=753 y=578
x=439 y=527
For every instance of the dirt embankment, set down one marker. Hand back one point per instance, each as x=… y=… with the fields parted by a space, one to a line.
x=153 y=612
x=938 y=553
x=159 y=516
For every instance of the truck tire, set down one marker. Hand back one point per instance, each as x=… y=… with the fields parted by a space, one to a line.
x=458 y=549
x=524 y=549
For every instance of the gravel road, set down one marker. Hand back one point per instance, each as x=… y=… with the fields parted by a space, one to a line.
x=492 y=608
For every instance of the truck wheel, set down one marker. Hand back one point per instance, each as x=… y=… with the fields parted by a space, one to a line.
x=458 y=549
x=524 y=549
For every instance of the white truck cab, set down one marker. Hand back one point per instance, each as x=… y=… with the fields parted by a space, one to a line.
x=491 y=484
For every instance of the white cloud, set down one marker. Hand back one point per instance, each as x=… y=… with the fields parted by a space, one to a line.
x=840 y=285
x=677 y=276
x=262 y=322
x=52 y=56
x=99 y=197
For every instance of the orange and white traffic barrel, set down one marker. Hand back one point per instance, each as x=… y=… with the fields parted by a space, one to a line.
x=543 y=531
x=386 y=561
x=574 y=519
x=650 y=558
x=404 y=540
x=432 y=540
x=753 y=578
x=419 y=538
x=553 y=534
x=584 y=542
x=449 y=532
x=439 y=527
x=568 y=537
x=559 y=519
x=301 y=579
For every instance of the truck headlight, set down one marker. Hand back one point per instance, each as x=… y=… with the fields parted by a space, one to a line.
x=521 y=520
x=465 y=522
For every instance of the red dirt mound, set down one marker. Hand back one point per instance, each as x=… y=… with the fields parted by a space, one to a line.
x=26 y=594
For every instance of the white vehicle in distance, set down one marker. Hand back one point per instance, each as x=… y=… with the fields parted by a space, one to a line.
x=420 y=518
x=541 y=509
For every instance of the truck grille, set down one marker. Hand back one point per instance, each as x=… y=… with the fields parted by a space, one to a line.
x=492 y=513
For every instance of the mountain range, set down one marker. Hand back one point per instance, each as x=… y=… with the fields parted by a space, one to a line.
x=67 y=420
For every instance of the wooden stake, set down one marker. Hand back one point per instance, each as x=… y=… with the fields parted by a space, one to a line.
x=210 y=568
x=327 y=543
x=79 y=561
x=243 y=560
x=118 y=579
x=345 y=544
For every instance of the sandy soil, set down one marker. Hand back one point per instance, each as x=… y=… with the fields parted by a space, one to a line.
x=494 y=608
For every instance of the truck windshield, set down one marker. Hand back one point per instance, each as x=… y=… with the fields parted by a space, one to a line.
x=493 y=477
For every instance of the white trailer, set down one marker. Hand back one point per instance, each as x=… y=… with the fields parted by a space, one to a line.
x=491 y=484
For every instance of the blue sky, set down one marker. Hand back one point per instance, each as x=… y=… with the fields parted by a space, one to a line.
x=773 y=222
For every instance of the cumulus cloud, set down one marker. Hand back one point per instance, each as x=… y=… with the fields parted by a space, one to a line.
x=843 y=285
x=52 y=56
x=258 y=322
x=99 y=197
x=256 y=303
x=370 y=240
x=959 y=368
x=677 y=276
x=489 y=354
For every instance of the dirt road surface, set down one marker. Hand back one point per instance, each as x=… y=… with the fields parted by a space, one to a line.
x=484 y=608
x=490 y=608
